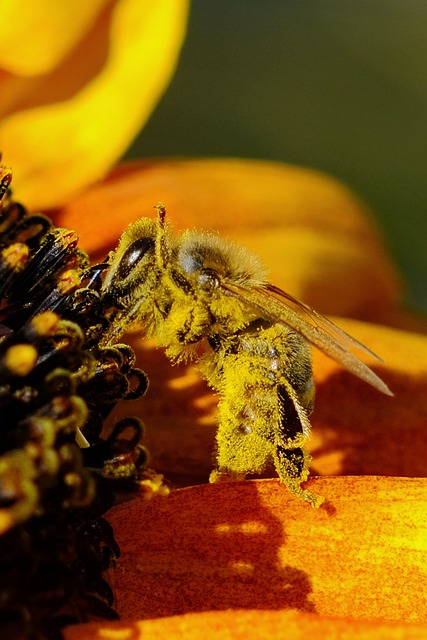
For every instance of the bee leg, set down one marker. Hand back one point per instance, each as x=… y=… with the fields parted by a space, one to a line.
x=292 y=469
x=290 y=457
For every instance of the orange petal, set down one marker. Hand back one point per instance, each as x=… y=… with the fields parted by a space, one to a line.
x=247 y=625
x=359 y=431
x=251 y=545
x=356 y=430
x=308 y=228
x=65 y=127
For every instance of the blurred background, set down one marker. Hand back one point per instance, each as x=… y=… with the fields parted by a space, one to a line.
x=337 y=85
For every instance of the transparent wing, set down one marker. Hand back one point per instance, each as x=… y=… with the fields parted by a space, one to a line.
x=278 y=306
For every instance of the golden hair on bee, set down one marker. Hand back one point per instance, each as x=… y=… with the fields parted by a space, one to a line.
x=199 y=289
x=225 y=257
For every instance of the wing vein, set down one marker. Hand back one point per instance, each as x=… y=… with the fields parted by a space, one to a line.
x=277 y=306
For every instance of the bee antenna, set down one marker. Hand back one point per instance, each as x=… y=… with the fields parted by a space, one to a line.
x=161 y=210
x=162 y=249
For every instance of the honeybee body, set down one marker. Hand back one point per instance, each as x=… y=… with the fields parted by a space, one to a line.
x=208 y=299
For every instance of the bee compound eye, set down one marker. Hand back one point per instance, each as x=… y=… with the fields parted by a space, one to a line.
x=133 y=255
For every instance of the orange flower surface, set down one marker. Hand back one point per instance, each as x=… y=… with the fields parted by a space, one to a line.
x=81 y=77
x=350 y=569
x=357 y=566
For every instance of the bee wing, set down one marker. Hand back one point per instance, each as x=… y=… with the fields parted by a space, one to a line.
x=280 y=307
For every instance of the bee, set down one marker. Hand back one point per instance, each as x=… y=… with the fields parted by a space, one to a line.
x=207 y=299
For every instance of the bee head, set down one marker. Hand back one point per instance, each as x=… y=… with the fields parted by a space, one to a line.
x=136 y=262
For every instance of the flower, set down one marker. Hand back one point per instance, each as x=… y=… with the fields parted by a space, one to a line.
x=356 y=566
x=57 y=384
x=243 y=559
x=84 y=78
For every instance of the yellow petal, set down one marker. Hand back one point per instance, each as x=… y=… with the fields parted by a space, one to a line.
x=66 y=128
x=37 y=36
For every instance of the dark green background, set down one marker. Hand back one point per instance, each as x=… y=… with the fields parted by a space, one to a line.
x=339 y=85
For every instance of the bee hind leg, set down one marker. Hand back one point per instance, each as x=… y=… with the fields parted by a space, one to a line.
x=292 y=469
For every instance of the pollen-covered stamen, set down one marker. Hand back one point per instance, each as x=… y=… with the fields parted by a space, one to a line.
x=20 y=359
x=15 y=256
